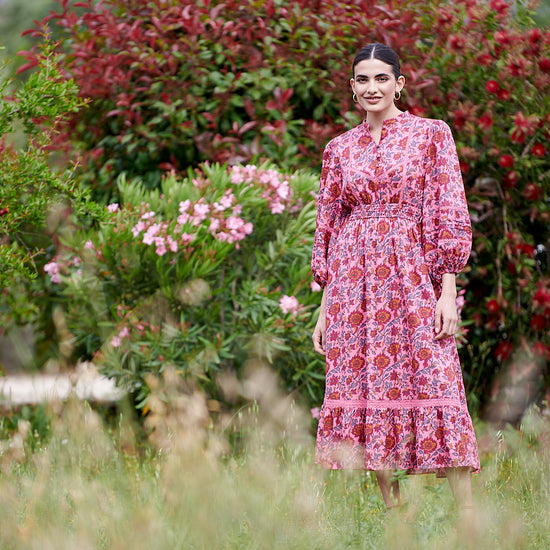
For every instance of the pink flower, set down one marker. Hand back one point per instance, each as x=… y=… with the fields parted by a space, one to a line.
x=234 y=223
x=53 y=269
x=183 y=218
x=138 y=228
x=88 y=245
x=184 y=206
x=214 y=225
x=115 y=341
x=315 y=287
x=200 y=213
x=148 y=238
x=315 y=413
x=124 y=333
x=172 y=244
x=112 y=207
x=277 y=208
x=161 y=246
x=225 y=202
x=201 y=209
x=186 y=238
x=289 y=304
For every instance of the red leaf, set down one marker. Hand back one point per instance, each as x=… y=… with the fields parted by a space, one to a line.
x=27 y=66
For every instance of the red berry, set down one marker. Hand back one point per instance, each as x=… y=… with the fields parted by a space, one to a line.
x=532 y=192
x=506 y=161
x=538 y=322
x=492 y=86
x=510 y=179
x=492 y=306
x=503 y=351
x=540 y=350
x=538 y=150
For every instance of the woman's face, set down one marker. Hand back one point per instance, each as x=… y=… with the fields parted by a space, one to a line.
x=375 y=85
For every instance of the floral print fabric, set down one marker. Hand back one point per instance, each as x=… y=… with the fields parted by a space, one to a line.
x=392 y=218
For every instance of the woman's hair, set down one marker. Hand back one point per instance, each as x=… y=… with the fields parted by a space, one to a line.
x=382 y=53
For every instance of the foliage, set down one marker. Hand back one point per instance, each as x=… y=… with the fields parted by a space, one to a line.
x=207 y=274
x=175 y=83
x=29 y=186
x=88 y=487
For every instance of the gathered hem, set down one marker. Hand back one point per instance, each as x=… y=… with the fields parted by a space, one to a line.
x=425 y=439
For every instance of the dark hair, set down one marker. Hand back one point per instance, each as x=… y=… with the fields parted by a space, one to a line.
x=382 y=53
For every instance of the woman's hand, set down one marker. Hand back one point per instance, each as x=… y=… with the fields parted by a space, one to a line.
x=320 y=333
x=446 y=317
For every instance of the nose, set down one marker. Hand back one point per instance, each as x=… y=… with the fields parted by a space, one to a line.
x=371 y=87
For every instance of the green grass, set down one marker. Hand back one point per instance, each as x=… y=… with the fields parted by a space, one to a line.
x=89 y=487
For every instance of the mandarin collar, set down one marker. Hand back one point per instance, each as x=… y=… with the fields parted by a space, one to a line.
x=388 y=123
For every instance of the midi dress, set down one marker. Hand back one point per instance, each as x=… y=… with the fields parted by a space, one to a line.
x=392 y=218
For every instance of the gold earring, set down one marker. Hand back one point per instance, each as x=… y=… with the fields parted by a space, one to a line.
x=398 y=96
x=354 y=97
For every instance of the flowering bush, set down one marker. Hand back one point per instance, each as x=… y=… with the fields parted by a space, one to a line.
x=207 y=274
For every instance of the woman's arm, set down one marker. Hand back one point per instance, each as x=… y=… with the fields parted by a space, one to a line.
x=320 y=332
x=446 y=317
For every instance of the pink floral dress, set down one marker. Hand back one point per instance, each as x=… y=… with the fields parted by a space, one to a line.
x=392 y=218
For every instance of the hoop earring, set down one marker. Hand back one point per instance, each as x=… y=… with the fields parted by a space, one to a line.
x=398 y=96
x=354 y=97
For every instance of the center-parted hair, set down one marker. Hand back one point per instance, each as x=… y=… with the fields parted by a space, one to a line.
x=382 y=53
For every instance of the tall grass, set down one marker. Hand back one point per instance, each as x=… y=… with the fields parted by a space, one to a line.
x=90 y=487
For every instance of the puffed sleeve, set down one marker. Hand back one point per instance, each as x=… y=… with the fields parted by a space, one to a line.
x=329 y=213
x=446 y=226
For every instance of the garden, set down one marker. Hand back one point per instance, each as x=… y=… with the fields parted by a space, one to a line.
x=160 y=166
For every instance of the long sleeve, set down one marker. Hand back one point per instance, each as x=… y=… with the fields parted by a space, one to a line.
x=329 y=213
x=446 y=226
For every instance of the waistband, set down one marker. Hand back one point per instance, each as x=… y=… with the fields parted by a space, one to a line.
x=386 y=210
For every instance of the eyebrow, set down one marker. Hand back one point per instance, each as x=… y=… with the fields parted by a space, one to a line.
x=365 y=76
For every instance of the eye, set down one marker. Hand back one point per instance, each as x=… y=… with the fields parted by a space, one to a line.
x=383 y=79
x=361 y=80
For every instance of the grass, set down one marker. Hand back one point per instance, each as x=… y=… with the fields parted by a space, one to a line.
x=93 y=487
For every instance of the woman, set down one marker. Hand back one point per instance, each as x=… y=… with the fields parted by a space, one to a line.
x=392 y=232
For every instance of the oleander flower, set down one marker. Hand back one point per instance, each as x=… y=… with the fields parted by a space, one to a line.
x=289 y=304
x=53 y=270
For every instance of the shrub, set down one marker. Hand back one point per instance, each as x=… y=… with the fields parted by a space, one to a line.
x=29 y=186
x=179 y=82
x=206 y=274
